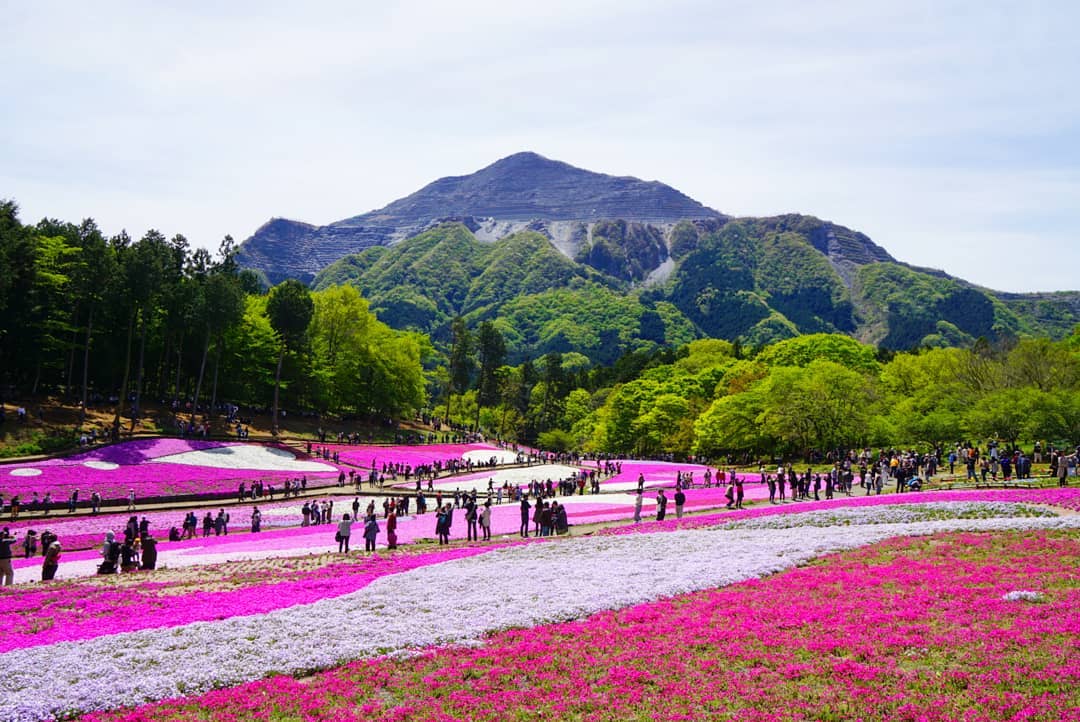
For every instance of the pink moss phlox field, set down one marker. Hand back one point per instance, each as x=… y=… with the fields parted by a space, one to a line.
x=1067 y=498
x=85 y=532
x=366 y=455
x=908 y=629
x=139 y=471
x=663 y=473
x=35 y=616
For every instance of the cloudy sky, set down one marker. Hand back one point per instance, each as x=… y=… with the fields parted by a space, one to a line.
x=948 y=132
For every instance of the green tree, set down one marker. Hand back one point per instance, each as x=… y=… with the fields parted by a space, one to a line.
x=461 y=362
x=289 y=309
x=1042 y=364
x=144 y=269
x=94 y=273
x=823 y=406
x=1001 y=414
x=803 y=350
x=222 y=307
x=733 y=423
x=491 y=350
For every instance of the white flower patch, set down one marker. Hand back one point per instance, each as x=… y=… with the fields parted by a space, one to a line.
x=893 y=514
x=255 y=458
x=1024 y=596
x=25 y=472
x=605 y=499
x=483 y=456
x=455 y=602
x=101 y=465
x=515 y=476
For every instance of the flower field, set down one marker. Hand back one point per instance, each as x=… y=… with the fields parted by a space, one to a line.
x=282 y=534
x=861 y=610
x=373 y=457
x=908 y=629
x=157 y=468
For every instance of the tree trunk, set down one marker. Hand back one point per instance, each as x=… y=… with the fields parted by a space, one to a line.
x=139 y=377
x=127 y=374
x=71 y=354
x=176 y=382
x=86 y=365
x=202 y=369
x=217 y=364
x=163 y=365
x=277 y=388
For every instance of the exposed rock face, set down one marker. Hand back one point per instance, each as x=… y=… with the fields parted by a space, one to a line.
x=522 y=191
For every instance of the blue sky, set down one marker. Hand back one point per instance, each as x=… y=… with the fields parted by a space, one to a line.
x=948 y=132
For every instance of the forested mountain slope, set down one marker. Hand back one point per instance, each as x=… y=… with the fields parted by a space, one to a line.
x=564 y=259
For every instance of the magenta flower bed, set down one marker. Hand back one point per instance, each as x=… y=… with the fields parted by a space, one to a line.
x=35 y=616
x=82 y=532
x=909 y=629
x=663 y=473
x=138 y=471
x=370 y=455
x=1067 y=498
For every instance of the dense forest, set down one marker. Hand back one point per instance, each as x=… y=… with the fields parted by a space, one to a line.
x=99 y=319
x=95 y=320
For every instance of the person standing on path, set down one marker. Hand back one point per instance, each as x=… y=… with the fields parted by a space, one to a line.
x=371 y=533
x=30 y=544
x=661 y=505
x=538 y=513
x=485 y=520
x=525 y=516
x=637 y=505
x=738 y=490
x=680 y=501
x=131 y=499
x=7 y=573
x=391 y=530
x=51 y=563
x=344 y=531
x=558 y=518
x=449 y=520
x=472 y=533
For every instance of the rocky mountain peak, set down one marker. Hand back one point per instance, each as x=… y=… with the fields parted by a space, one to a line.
x=519 y=191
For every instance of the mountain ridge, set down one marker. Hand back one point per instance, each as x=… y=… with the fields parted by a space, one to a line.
x=521 y=191
x=754 y=278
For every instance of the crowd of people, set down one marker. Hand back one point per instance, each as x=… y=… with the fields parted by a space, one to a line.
x=851 y=472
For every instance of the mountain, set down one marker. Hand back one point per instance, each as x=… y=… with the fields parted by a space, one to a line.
x=564 y=259
x=522 y=191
